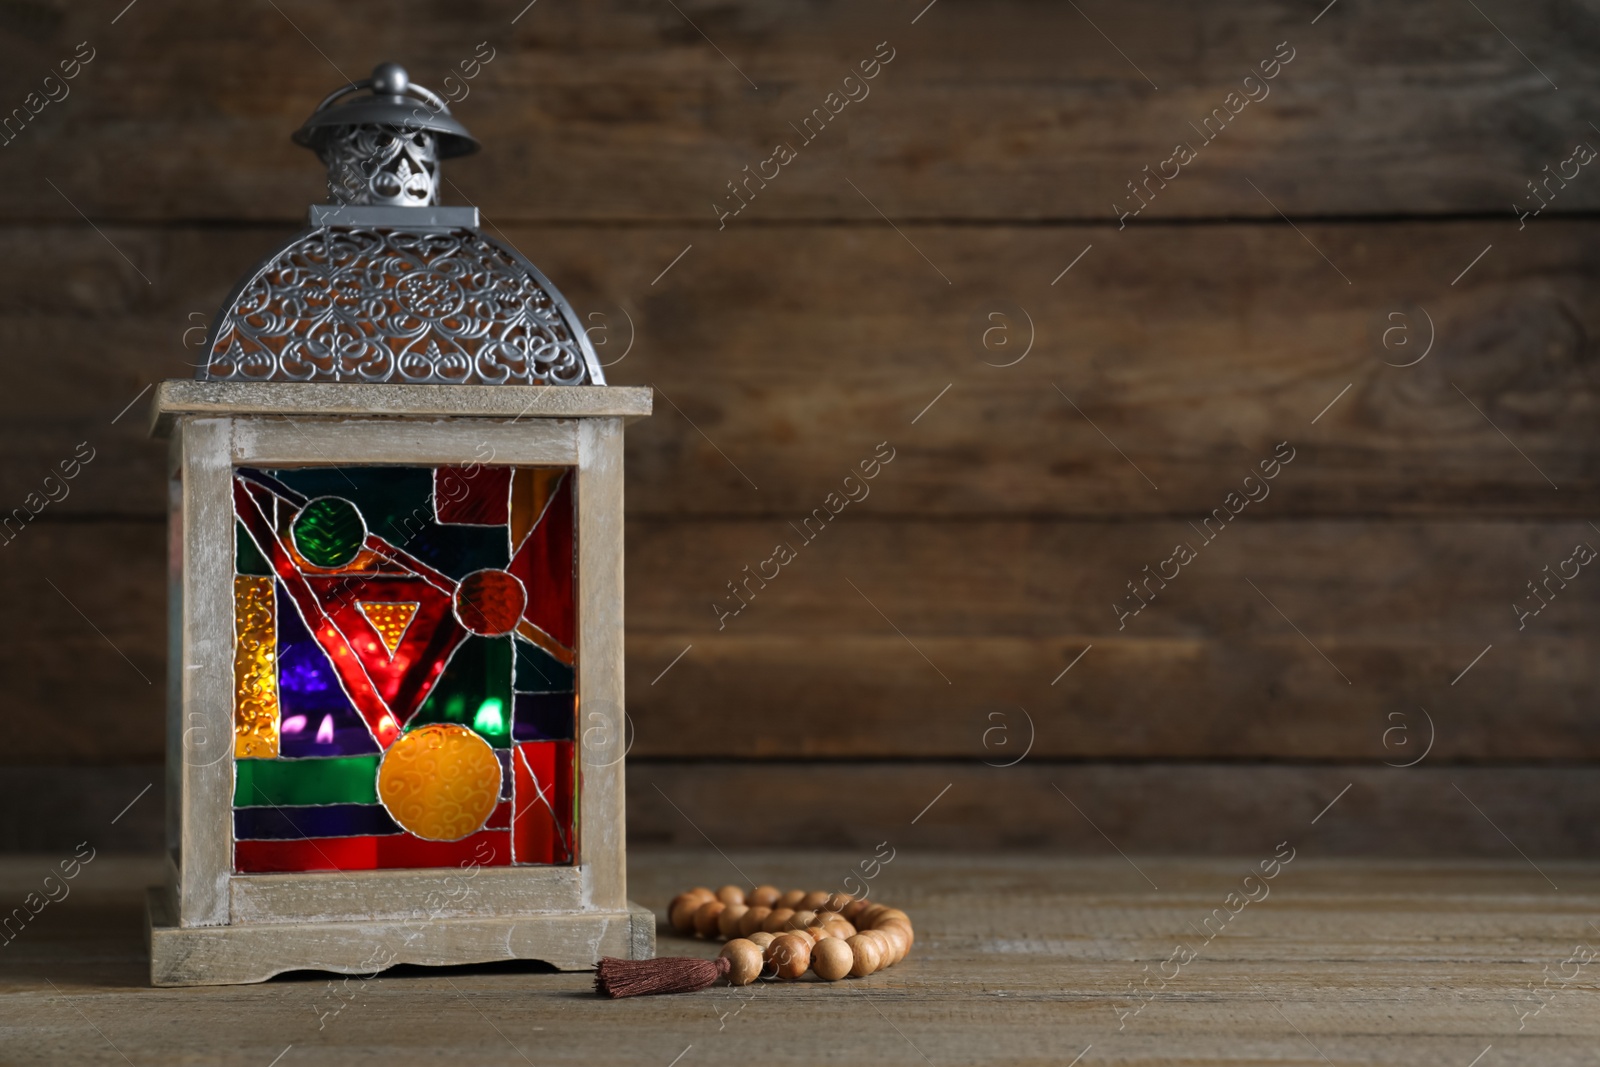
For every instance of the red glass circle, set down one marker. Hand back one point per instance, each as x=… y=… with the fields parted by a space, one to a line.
x=490 y=602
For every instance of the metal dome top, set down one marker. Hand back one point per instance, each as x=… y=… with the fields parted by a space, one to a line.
x=387 y=287
x=389 y=104
x=384 y=147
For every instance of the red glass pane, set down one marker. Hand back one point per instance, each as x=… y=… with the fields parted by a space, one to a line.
x=475 y=495
x=541 y=827
x=544 y=563
x=487 y=848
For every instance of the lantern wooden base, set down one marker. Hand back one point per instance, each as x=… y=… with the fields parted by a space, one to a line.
x=254 y=952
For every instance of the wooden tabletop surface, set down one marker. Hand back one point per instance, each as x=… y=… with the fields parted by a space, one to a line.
x=1019 y=959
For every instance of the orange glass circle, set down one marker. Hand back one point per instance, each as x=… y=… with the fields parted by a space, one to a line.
x=440 y=782
x=490 y=602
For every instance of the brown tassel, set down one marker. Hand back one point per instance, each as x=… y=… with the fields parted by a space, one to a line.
x=671 y=974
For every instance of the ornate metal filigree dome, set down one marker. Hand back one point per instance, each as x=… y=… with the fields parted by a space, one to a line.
x=386 y=287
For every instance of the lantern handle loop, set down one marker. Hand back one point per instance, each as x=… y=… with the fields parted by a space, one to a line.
x=428 y=96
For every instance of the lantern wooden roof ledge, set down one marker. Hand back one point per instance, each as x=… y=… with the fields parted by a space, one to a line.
x=346 y=399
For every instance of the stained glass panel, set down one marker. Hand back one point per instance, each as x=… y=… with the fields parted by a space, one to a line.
x=404 y=663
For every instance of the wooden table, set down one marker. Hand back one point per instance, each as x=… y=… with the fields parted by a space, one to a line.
x=1019 y=959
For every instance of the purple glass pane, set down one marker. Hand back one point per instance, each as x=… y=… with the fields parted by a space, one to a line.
x=317 y=717
x=504 y=755
x=544 y=717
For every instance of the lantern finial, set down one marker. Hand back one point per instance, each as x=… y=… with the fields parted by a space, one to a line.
x=384 y=147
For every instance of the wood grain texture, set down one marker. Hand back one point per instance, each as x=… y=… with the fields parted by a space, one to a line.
x=203 y=569
x=784 y=356
x=265 y=441
x=410 y=895
x=624 y=111
x=1147 y=807
x=602 y=802
x=1391 y=963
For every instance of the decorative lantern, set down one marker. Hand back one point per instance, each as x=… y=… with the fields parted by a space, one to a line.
x=395 y=728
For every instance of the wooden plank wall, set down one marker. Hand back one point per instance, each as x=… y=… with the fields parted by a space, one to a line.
x=1340 y=276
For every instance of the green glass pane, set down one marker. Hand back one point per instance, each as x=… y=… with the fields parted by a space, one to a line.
x=474 y=691
x=285 y=782
x=247 y=558
x=540 y=672
x=329 y=532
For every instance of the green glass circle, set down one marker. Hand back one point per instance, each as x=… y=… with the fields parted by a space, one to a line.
x=329 y=532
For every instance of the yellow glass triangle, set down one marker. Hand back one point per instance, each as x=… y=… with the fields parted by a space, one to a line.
x=390 y=620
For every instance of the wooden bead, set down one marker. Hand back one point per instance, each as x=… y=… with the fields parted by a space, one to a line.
x=728 y=921
x=893 y=913
x=840 y=929
x=747 y=960
x=778 y=921
x=832 y=959
x=853 y=909
x=705 y=919
x=702 y=893
x=792 y=899
x=899 y=924
x=789 y=955
x=865 y=955
x=681 y=912
x=818 y=931
x=885 y=946
x=763 y=896
x=814 y=900
x=801 y=919
x=761 y=939
x=838 y=901
x=899 y=944
x=810 y=936
x=731 y=895
x=751 y=920
x=869 y=915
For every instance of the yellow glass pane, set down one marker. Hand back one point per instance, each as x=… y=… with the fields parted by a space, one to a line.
x=390 y=620
x=255 y=669
x=440 y=781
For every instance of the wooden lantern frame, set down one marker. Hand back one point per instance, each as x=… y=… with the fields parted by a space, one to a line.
x=208 y=925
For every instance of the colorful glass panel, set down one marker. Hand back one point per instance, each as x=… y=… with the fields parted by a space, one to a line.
x=405 y=645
